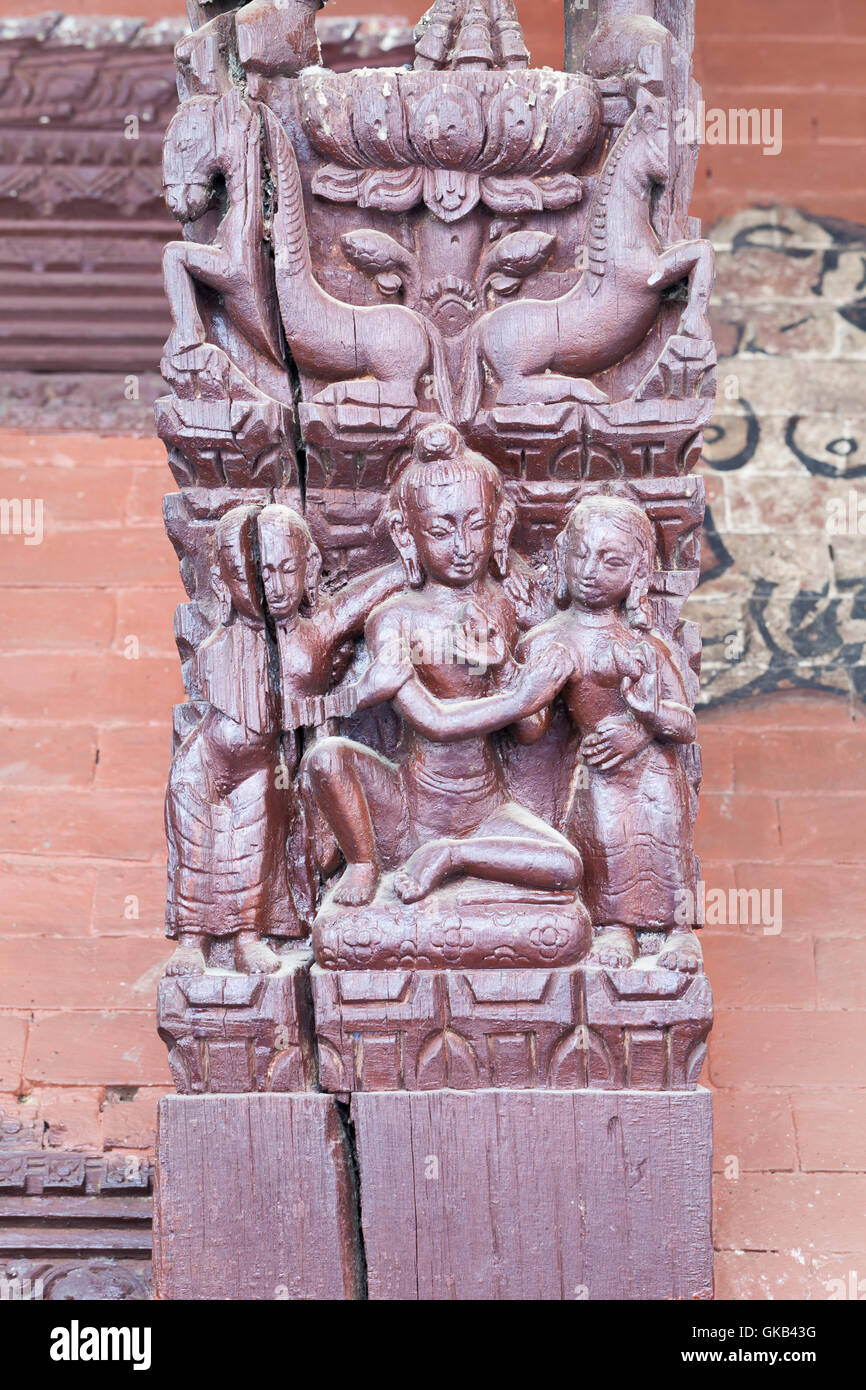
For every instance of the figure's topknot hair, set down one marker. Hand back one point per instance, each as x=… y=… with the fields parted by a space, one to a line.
x=278 y=514
x=440 y=455
x=439 y=441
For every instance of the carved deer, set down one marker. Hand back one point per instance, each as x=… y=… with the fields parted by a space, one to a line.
x=542 y=350
x=212 y=165
x=335 y=340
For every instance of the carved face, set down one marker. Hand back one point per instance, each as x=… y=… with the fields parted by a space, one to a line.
x=188 y=166
x=236 y=579
x=601 y=560
x=452 y=525
x=652 y=115
x=284 y=565
x=188 y=201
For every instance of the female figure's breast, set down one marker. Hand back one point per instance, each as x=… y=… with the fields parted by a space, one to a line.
x=595 y=695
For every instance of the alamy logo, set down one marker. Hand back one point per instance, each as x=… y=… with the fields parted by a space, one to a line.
x=22 y=516
x=17 y=1288
x=77 y=1343
x=739 y=907
x=462 y=643
x=738 y=126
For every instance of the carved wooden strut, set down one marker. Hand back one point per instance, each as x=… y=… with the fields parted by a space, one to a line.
x=440 y=367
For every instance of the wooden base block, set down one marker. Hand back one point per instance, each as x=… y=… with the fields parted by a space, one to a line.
x=494 y=1194
x=255 y=1199
x=232 y=1033
x=556 y=1029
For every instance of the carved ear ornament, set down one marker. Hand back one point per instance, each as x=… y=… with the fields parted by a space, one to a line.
x=560 y=554
x=406 y=548
x=312 y=573
x=638 y=611
x=505 y=519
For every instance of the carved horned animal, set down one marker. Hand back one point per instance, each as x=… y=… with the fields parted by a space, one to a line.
x=338 y=341
x=543 y=350
x=212 y=165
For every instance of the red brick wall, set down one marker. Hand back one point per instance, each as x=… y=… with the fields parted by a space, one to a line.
x=82 y=761
x=807 y=59
x=783 y=807
x=88 y=674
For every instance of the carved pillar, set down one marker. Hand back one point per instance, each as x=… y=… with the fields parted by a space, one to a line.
x=439 y=369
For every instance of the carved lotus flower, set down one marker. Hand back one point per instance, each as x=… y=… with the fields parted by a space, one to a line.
x=452 y=938
x=549 y=938
x=394 y=139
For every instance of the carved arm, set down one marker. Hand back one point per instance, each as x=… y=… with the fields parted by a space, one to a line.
x=444 y=721
x=344 y=613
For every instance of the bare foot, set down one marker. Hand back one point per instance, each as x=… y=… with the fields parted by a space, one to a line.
x=615 y=947
x=255 y=958
x=187 y=960
x=357 y=885
x=424 y=870
x=682 y=952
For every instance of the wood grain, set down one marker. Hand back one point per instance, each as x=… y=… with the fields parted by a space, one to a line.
x=535 y=1195
x=254 y=1200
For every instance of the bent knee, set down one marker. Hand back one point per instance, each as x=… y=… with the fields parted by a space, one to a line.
x=569 y=865
x=323 y=761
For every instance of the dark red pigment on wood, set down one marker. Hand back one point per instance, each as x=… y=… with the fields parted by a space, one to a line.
x=556 y=1195
x=440 y=365
x=254 y=1199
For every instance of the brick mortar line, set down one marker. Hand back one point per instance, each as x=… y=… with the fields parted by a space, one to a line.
x=843 y=39
x=120 y=791
x=809 y=1265
x=805 y=1173
x=793 y=1008
x=151 y=935
x=98 y=724
x=800 y=938
x=38 y=1013
x=164 y=586
x=789 y=147
x=122 y=525
x=750 y=96
x=11 y=856
x=727 y=1007
x=787 y=1090
x=62 y=858
x=729 y=299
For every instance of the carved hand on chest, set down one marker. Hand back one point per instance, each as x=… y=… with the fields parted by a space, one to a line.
x=638 y=669
x=455 y=646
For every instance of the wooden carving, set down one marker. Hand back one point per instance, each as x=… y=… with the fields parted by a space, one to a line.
x=439 y=370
